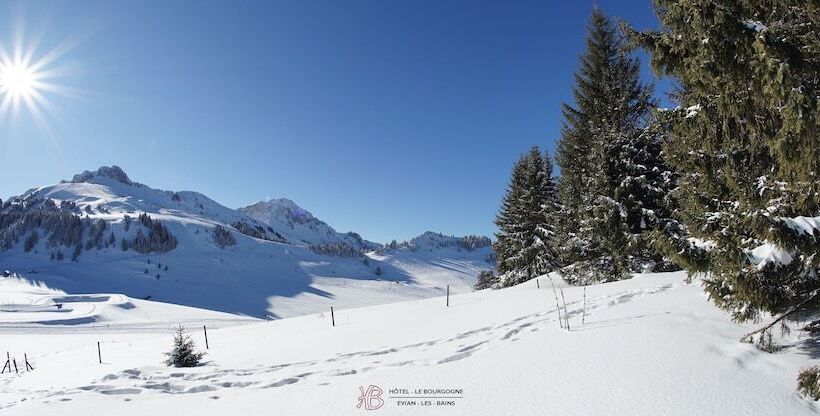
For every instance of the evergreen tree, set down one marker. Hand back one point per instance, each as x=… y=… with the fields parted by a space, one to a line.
x=525 y=242
x=183 y=354
x=544 y=206
x=644 y=187
x=337 y=249
x=745 y=138
x=486 y=279
x=31 y=241
x=222 y=237
x=613 y=181
x=508 y=216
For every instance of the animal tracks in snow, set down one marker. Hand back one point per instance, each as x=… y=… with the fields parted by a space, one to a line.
x=211 y=378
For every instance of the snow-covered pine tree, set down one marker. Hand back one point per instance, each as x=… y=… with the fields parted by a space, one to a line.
x=745 y=140
x=31 y=241
x=183 y=354
x=337 y=249
x=613 y=181
x=222 y=237
x=486 y=279
x=643 y=185
x=525 y=242
x=507 y=218
x=546 y=205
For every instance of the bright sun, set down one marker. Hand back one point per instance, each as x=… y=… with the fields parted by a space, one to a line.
x=27 y=78
x=18 y=81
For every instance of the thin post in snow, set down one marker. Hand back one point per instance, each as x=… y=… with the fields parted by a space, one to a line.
x=8 y=363
x=332 y=317
x=566 y=314
x=537 y=284
x=99 y=353
x=584 y=311
x=205 y=330
x=29 y=367
x=448 y=295
x=557 y=307
x=14 y=360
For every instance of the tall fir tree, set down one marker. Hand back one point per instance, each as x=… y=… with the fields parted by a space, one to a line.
x=507 y=220
x=613 y=180
x=746 y=139
x=525 y=243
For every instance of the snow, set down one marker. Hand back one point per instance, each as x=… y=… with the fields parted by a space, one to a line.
x=299 y=225
x=620 y=206
x=769 y=253
x=650 y=345
x=755 y=25
x=804 y=225
x=693 y=110
x=702 y=244
x=257 y=278
x=25 y=304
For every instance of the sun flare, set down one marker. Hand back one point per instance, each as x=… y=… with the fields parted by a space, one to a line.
x=29 y=79
x=17 y=80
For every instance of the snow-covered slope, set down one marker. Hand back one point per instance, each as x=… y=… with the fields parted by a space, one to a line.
x=102 y=232
x=300 y=226
x=25 y=306
x=438 y=260
x=652 y=345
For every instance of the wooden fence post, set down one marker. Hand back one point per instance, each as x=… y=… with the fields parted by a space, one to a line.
x=584 y=312
x=99 y=353
x=206 y=336
x=448 y=295
x=332 y=317
x=557 y=306
x=566 y=313
x=537 y=284
x=8 y=363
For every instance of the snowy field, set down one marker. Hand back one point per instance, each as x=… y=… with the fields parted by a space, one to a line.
x=29 y=307
x=652 y=345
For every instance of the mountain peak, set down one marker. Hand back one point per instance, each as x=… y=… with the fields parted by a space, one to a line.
x=282 y=208
x=113 y=172
x=300 y=225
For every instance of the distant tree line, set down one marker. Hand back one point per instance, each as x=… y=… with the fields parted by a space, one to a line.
x=158 y=240
x=337 y=249
x=258 y=231
x=223 y=237
x=474 y=242
x=64 y=226
x=432 y=240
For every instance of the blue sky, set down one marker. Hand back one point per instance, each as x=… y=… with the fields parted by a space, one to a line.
x=388 y=118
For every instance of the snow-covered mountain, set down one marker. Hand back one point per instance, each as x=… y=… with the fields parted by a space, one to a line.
x=300 y=226
x=104 y=232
